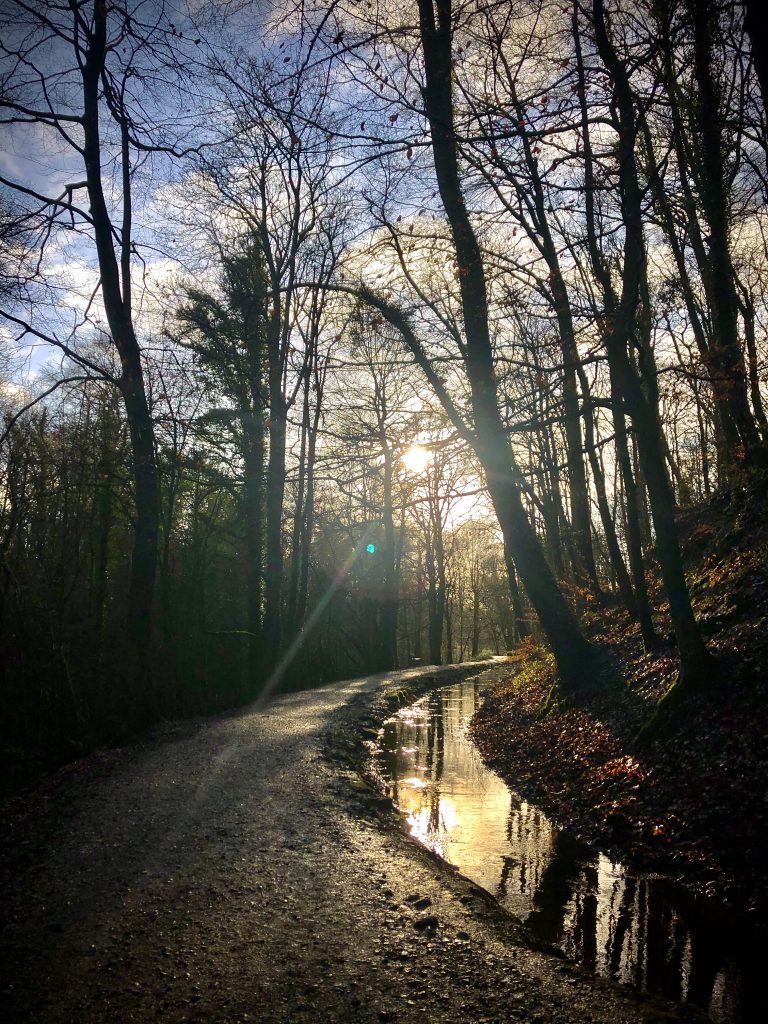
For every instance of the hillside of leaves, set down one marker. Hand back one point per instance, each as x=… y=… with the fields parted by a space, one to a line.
x=692 y=801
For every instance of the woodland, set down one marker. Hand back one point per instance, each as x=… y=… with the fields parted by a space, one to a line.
x=349 y=336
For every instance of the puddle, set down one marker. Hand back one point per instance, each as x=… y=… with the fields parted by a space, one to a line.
x=641 y=930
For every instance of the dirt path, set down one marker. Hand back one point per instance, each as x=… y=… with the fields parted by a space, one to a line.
x=228 y=871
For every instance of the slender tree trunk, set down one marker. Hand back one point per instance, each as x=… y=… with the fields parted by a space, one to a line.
x=581 y=520
x=292 y=598
x=117 y=304
x=418 y=623
x=435 y=605
x=723 y=436
x=571 y=650
x=747 y=307
x=556 y=522
x=170 y=494
x=695 y=661
x=726 y=349
x=273 y=574
x=307 y=525
x=755 y=24
x=475 y=644
x=628 y=596
x=389 y=603
x=703 y=440
x=634 y=541
x=104 y=518
x=147 y=501
x=449 y=650
x=577 y=477
x=253 y=503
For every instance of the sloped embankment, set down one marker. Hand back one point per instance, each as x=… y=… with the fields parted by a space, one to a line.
x=695 y=800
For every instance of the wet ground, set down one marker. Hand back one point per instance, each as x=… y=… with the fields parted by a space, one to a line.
x=231 y=870
x=639 y=928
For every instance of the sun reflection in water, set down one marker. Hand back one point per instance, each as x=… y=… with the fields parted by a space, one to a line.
x=616 y=924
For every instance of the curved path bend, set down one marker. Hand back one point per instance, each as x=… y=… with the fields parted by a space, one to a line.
x=230 y=870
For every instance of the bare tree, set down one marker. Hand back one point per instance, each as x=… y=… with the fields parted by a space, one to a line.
x=80 y=75
x=569 y=646
x=696 y=664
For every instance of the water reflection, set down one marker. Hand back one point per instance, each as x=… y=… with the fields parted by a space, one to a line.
x=641 y=930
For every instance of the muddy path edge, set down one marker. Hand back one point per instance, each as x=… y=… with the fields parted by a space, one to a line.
x=350 y=747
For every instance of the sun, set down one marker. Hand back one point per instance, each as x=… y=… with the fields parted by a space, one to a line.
x=416 y=459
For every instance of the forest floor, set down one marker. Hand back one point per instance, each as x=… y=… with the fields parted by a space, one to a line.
x=238 y=868
x=692 y=801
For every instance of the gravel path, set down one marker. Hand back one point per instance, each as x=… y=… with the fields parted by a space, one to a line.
x=228 y=870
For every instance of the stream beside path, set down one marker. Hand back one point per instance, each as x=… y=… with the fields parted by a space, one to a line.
x=642 y=930
x=229 y=869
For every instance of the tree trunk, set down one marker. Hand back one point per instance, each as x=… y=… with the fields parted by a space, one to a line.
x=389 y=603
x=418 y=621
x=449 y=649
x=726 y=355
x=695 y=661
x=725 y=434
x=307 y=526
x=634 y=541
x=117 y=305
x=292 y=598
x=475 y=644
x=147 y=501
x=253 y=504
x=581 y=520
x=521 y=626
x=754 y=23
x=577 y=478
x=104 y=502
x=571 y=650
x=628 y=596
x=747 y=306
x=435 y=605
x=273 y=574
